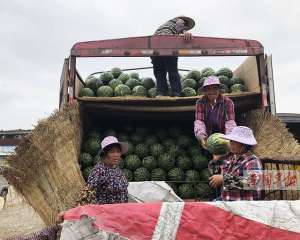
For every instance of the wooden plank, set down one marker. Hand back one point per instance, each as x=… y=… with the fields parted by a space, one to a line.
x=281 y=171
x=269 y=193
x=278 y=193
x=249 y=73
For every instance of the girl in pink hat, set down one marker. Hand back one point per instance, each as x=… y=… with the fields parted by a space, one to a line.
x=214 y=112
x=241 y=170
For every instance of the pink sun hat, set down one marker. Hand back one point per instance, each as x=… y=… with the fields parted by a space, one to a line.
x=211 y=80
x=242 y=134
x=110 y=140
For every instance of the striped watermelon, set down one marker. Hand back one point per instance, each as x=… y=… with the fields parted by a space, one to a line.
x=217 y=145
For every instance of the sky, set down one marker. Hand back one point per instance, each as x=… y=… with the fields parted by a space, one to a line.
x=36 y=36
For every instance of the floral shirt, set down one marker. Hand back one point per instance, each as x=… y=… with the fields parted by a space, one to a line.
x=110 y=184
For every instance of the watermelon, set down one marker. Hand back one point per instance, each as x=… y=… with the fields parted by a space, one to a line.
x=132 y=82
x=169 y=143
x=186 y=191
x=204 y=175
x=175 y=150
x=134 y=75
x=116 y=72
x=139 y=91
x=148 y=83
x=149 y=162
x=86 y=159
x=93 y=83
x=86 y=92
x=194 y=74
x=194 y=151
x=189 y=83
x=192 y=175
x=158 y=174
x=128 y=174
x=165 y=161
x=203 y=191
x=176 y=174
x=184 y=162
x=106 y=77
x=122 y=90
x=114 y=83
x=184 y=141
x=86 y=172
x=224 y=80
x=105 y=91
x=124 y=77
x=136 y=138
x=224 y=71
x=132 y=162
x=141 y=150
x=141 y=174
x=199 y=162
x=92 y=147
x=188 y=92
x=236 y=80
x=237 y=88
x=208 y=71
x=157 y=149
x=150 y=139
x=217 y=145
x=152 y=93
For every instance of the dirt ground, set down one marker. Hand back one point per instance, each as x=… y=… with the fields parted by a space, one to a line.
x=17 y=217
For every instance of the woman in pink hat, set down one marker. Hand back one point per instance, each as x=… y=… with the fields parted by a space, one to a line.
x=106 y=183
x=106 y=178
x=241 y=171
x=214 y=112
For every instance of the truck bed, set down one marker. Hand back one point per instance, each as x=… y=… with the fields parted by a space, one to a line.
x=243 y=102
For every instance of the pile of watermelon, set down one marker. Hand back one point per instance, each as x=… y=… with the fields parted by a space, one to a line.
x=193 y=81
x=166 y=154
x=116 y=83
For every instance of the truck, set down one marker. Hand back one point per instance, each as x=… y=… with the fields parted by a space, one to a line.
x=175 y=220
x=256 y=71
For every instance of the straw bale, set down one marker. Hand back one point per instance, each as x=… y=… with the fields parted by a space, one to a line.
x=45 y=169
x=274 y=139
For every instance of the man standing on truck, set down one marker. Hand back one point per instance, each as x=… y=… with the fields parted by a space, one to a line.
x=168 y=64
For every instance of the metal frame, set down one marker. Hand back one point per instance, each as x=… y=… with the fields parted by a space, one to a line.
x=168 y=45
x=271 y=84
